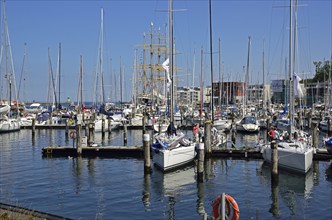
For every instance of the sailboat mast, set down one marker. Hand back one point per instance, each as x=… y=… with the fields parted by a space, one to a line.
x=193 y=80
x=219 y=99
x=22 y=75
x=53 y=86
x=211 y=61
x=201 y=87
x=59 y=72
x=81 y=84
x=171 y=59
x=101 y=56
x=247 y=75
x=264 y=95
x=290 y=93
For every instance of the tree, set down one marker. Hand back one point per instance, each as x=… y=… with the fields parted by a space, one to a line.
x=323 y=71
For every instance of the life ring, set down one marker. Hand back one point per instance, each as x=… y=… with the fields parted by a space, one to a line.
x=72 y=134
x=232 y=209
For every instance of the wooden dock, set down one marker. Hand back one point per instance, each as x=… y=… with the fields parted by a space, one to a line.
x=15 y=212
x=108 y=151
x=137 y=152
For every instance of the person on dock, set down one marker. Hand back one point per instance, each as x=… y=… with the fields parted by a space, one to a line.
x=195 y=132
x=271 y=133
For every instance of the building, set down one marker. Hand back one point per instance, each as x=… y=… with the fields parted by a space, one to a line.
x=228 y=92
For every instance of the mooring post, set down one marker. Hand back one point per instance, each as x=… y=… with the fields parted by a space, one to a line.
x=147 y=154
x=315 y=136
x=233 y=134
x=274 y=161
x=143 y=122
x=125 y=134
x=109 y=126
x=67 y=128
x=33 y=127
x=200 y=164
x=102 y=127
x=50 y=121
x=79 y=139
x=86 y=126
x=207 y=138
x=91 y=134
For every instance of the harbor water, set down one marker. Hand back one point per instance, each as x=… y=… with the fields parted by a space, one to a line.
x=116 y=188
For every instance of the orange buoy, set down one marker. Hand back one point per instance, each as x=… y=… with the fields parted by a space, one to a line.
x=232 y=209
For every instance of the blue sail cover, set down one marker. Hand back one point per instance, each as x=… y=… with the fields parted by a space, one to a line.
x=328 y=142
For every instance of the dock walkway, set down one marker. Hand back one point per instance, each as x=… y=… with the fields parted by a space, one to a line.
x=137 y=152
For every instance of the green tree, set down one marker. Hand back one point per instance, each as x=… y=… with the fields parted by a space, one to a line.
x=323 y=71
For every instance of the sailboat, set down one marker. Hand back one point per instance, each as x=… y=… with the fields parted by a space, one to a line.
x=7 y=122
x=171 y=149
x=295 y=152
x=248 y=123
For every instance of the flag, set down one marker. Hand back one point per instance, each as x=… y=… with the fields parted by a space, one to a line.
x=165 y=65
x=297 y=87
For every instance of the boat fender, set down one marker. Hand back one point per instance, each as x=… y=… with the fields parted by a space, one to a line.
x=232 y=209
x=71 y=121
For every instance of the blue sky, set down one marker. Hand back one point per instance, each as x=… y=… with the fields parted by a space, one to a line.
x=76 y=25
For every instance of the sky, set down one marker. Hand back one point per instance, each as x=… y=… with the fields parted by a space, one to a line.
x=41 y=25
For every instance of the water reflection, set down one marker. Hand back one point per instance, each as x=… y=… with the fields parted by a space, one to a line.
x=328 y=173
x=288 y=188
x=77 y=167
x=209 y=166
x=146 y=191
x=173 y=186
x=200 y=200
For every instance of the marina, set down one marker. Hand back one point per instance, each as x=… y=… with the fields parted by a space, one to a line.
x=95 y=187
x=163 y=140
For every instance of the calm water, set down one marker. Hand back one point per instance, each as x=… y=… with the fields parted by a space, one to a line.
x=104 y=188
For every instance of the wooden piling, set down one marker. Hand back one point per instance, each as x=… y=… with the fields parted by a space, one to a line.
x=233 y=137
x=109 y=124
x=33 y=127
x=86 y=123
x=207 y=138
x=147 y=154
x=103 y=127
x=50 y=121
x=315 y=135
x=274 y=161
x=67 y=128
x=143 y=123
x=125 y=134
x=79 y=139
x=91 y=134
x=200 y=163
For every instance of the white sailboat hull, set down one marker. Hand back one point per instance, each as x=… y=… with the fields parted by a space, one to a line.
x=221 y=124
x=9 y=125
x=247 y=127
x=98 y=125
x=168 y=159
x=297 y=159
x=160 y=127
